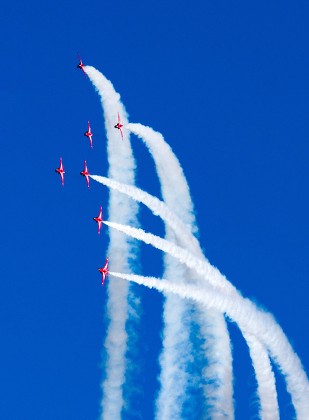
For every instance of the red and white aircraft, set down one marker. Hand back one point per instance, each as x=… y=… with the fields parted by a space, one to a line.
x=81 y=65
x=89 y=134
x=104 y=271
x=119 y=126
x=86 y=174
x=60 y=171
x=99 y=220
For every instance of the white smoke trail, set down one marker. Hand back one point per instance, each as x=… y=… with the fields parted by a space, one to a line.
x=108 y=103
x=177 y=336
x=170 y=173
x=218 y=389
x=158 y=208
x=121 y=168
x=226 y=399
x=252 y=321
x=203 y=268
x=177 y=352
x=261 y=363
x=248 y=318
x=269 y=408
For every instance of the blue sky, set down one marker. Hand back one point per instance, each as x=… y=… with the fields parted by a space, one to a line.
x=227 y=85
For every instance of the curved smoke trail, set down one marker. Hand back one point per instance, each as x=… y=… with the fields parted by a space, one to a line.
x=186 y=239
x=177 y=347
x=251 y=320
x=215 y=342
x=158 y=208
x=248 y=317
x=268 y=405
x=269 y=408
x=121 y=167
x=201 y=267
x=261 y=363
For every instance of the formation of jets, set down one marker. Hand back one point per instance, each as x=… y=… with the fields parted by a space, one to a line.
x=99 y=218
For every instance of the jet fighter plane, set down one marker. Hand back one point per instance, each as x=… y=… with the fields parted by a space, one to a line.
x=99 y=220
x=81 y=65
x=86 y=174
x=104 y=271
x=89 y=134
x=61 y=172
x=119 y=126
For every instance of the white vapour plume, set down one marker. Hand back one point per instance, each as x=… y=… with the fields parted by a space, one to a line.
x=269 y=408
x=261 y=363
x=177 y=350
x=248 y=317
x=121 y=168
x=158 y=208
x=178 y=335
x=252 y=321
x=175 y=190
x=203 y=268
x=177 y=347
x=218 y=390
x=211 y=274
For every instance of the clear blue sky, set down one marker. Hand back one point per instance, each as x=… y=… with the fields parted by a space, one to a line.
x=227 y=85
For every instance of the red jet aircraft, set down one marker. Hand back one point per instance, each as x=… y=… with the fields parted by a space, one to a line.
x=86 y=174
x=99 y=220
x=119 y=126
x=89 y=134
x=81 y=65
x=104 y=271
x=61 y=172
